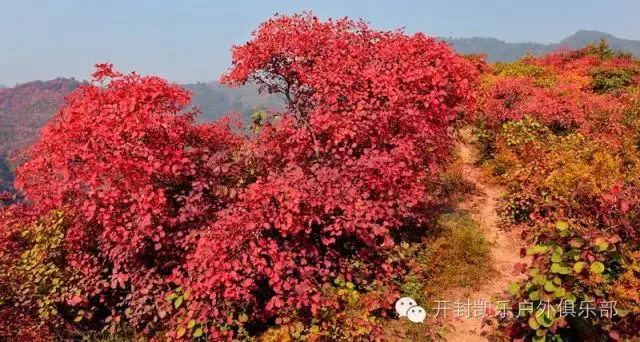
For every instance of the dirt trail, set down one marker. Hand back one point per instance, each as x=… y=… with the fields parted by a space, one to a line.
x=504 y=246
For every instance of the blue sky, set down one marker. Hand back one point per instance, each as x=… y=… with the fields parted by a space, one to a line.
x=188 y=41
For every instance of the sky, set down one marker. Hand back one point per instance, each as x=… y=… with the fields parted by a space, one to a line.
x=188 y=41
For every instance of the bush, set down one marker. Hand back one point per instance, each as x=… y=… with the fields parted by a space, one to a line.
x=184 y=231
x=609 y=80
x=570 y=167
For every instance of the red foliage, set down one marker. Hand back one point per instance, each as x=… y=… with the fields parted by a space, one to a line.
x=369 y=122
x=141 y=176
x=250 y=225
x=568 y=102
x=571 y=174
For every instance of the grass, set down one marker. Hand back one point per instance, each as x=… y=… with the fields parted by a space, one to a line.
x=458 y=256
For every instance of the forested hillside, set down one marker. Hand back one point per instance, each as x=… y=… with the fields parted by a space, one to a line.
x=6 y=177
x=24 y=110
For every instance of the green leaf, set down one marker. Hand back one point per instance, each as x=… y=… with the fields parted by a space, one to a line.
x=578 y=266
x=537 y=249
x=534 y=272
x=191 y=324
x=560 y=292
x=178 y=302
x=597 y=267
x=549 y=287
x=243 y=317
x=198 y=332
x=562 y=225
x=535 y=295
x=544 y=318
x=514 y=288
x=181 y=332
x=528 y=286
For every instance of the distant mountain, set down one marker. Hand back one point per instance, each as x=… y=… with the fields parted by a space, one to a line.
x=214 y=100
x=498 y=50
x=25 y=109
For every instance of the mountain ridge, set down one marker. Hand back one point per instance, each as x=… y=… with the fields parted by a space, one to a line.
x=501 y=51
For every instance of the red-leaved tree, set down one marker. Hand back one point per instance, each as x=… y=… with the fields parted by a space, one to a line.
x=140 y=178
x=369 y=123
x=188 y=229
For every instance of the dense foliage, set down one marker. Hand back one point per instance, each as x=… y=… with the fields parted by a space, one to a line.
x=140 y=219
x=562 y=132
x=26 y=108
x=143 y=222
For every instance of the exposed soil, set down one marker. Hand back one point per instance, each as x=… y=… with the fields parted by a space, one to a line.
x=504 y=246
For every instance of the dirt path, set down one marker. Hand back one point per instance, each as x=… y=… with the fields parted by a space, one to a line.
x=505 y=246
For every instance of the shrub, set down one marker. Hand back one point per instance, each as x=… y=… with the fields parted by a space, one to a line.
x=186 y=231
x=609 y=80
x=139 y=180
x=568 y=156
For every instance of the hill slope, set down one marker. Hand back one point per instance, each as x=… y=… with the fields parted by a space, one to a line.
x=498 y=50
x=24 y=110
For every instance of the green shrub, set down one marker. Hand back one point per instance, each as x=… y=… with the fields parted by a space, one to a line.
x=611 y=80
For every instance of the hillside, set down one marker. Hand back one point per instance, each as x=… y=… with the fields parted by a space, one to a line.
x=24 y=110
x=498 y=50
x=6 y=177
